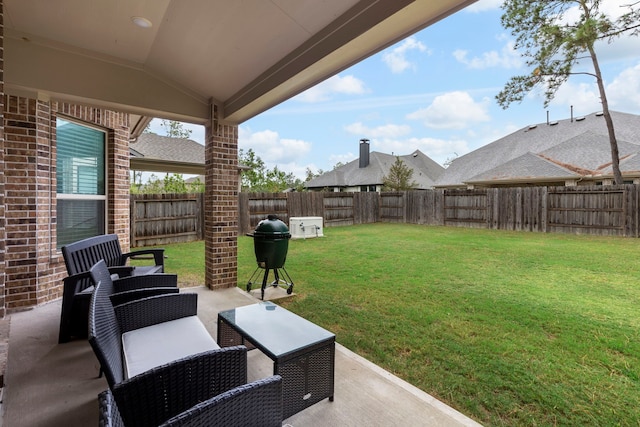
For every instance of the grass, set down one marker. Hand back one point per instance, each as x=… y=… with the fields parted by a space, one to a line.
x=509 y=328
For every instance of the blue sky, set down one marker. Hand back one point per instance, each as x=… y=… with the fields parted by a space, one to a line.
x=434 y=91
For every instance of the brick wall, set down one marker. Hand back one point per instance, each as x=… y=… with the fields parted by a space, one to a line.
x=221 y=204
x=33 y=266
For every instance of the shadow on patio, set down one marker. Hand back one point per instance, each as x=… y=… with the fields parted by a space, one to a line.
x=51 y=384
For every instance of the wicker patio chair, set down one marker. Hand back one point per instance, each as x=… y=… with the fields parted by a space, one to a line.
x=257 y=404
x=154 y=396
x=80 y=256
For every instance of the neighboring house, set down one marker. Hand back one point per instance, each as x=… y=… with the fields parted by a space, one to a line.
x=569 y=152
x=156 y=153
x=368 y=172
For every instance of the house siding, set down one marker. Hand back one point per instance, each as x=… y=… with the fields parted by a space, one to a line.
x=34 y=267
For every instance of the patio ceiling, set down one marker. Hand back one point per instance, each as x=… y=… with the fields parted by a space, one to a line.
x=245 y=55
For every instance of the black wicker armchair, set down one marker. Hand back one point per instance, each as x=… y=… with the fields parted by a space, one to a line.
x=80 y=256
x=162 y=392
x=257 y=404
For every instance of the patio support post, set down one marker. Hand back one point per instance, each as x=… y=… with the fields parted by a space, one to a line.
x=221 y=202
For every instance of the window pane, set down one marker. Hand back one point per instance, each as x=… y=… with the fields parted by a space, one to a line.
x=80 y=159
x=79 y=219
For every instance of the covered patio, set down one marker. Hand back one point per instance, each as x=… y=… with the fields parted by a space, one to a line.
x=106 y=68
x=56 y=385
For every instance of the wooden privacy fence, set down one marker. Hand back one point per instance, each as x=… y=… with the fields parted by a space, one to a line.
x=158 y=219
x=602 y=210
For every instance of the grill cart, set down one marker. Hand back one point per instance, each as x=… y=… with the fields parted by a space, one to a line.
x=271 y=243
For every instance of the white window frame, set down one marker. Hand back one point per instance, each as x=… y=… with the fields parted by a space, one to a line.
x=100 y=197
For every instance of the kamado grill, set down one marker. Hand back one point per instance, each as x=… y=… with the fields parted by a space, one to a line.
x=271 y=243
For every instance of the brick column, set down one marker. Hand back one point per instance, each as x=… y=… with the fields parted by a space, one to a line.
x=221 y=203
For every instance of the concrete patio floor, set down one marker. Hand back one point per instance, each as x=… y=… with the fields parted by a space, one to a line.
x=56 y=385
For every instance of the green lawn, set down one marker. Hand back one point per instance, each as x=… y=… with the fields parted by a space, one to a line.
x=509 y=328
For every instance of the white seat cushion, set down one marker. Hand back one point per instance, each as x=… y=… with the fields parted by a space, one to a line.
x=156 y=345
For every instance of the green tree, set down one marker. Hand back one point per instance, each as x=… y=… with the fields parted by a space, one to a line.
x=196 y=186
x=170 y=184
x=399 y=177
x=154 y=185
x=261 y=179
x=553 y=43
x=174 y=129
x=254 y=177
x=174 y=184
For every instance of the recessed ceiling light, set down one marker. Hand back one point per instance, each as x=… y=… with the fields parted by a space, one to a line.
x=141 y=22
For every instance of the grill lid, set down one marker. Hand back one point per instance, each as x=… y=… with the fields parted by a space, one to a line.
x=271 y=227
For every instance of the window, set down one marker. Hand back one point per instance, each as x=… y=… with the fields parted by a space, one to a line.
x=81 y=195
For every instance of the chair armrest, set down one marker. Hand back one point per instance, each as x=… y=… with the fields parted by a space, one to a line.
x=155 y=396
x=136 y=294
x=122 y=271
x=73 y=284
x=158 y=255
x=160 y=280
x=157 y=309
x=258 y=403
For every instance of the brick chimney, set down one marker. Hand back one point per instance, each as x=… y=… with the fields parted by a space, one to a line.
x=364 y=153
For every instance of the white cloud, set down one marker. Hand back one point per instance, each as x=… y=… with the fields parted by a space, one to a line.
x=439 y=150
x=624 y=91
x=453 y=110
x=384 y=131
x=271 y=148
x=583 y=96
x=396 y=58
x=507 y=58
x=347 y=85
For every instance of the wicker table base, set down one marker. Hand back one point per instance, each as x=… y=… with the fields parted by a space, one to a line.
x=303 y=353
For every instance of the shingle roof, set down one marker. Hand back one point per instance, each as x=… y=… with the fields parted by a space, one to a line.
x=152 y=146
x=426 y=171
x=157 y=153
x=524 y=168
x=577 y=145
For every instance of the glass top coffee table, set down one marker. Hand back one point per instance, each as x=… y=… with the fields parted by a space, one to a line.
x=303 y=353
